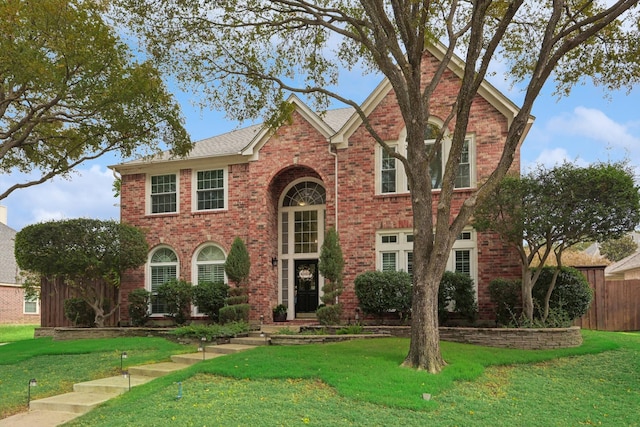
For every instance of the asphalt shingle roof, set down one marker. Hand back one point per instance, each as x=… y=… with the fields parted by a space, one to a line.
x=234 y=142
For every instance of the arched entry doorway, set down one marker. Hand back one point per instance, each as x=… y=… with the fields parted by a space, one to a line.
x=301 y=219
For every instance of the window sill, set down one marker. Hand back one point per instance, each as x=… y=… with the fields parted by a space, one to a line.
x=162 y=215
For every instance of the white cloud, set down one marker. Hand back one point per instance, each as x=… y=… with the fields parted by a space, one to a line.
x=86 y=193
x=550 y=157
x=595 y=125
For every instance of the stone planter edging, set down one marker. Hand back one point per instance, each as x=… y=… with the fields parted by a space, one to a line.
x=319 y=339
x=521 y=338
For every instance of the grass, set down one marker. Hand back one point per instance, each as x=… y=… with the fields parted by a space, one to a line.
x=361 y=383
x=57 y=365
x=12 y=333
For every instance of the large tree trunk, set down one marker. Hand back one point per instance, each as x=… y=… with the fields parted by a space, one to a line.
x=527 y=297
x=430 y=257
x=424 y=350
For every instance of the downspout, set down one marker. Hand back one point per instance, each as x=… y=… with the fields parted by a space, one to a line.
x=335 y=179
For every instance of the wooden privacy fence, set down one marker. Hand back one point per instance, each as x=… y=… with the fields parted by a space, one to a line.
x=615 y=305
x=53 y=295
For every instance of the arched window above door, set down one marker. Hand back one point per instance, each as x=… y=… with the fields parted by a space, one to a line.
x=306 y=193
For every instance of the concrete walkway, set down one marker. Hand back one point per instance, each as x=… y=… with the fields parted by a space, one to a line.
x=56 y=410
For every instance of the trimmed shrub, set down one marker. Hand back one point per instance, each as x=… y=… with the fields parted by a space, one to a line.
x=331 y=265
x=209 y=297
x=238 y=299
x=177 y=294
x=507 y=297
x=380 y=292
x=329 y=314
x=235 y=313
x=571 y=294
x=238 y=264
x=456 y=295
x=139 y=300
x=212 y=332
x=79 y=312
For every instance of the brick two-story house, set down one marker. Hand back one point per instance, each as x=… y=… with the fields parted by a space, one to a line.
x=281 y=190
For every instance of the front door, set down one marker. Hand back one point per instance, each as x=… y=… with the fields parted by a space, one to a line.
x=306 y=290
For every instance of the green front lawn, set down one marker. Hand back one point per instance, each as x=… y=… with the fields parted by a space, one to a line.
x=361 y=383
x=11 y=333
x=57 y=365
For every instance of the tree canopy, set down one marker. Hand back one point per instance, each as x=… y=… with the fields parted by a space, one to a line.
x=550 y=210
x=71 y=91
x=247 y=56
x=85 y=253
x=617 y=249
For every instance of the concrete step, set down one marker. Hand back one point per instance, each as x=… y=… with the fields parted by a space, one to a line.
x=193 y=358
x=156 y=370
x=117 y=385
x=38 y=418
x=228 y=348
x=75 y=402
x=253 y=339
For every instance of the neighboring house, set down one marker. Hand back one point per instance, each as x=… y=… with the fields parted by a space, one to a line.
x=281 y=190
x=594 y=248
x=626 y=269
x=14 y=308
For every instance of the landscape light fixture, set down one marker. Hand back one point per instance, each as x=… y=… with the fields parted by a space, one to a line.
x=202 y=346
x=123 y=355
x=32 y=383
x=125 y=374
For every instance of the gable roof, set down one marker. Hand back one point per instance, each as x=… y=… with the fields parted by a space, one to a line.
x=8 y=265
x=335 y=125
x=456 y=65
x=632 y=262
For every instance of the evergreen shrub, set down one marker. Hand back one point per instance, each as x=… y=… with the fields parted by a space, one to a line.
x=139 y=300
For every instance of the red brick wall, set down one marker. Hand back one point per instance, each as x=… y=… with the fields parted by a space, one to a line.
x=12 y=307
x=298 y=150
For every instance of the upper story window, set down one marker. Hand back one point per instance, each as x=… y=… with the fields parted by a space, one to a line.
x=211 y=189
x=164 y=194
x=390 y=175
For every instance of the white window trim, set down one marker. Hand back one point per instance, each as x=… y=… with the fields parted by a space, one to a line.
x=148 y=193
x=147 y=281
x=24 y=306
x=403 y=248
x=402 y=186
x=194 y=189
x=194 y=270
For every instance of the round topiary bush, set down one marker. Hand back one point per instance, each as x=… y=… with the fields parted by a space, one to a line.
x=380 y=292
x=571 y=294
x=210 y=298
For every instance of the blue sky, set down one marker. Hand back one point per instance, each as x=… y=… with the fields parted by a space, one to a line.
x=587 y=126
